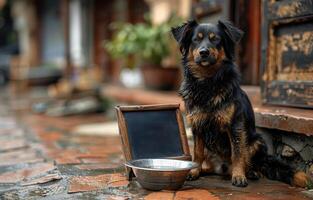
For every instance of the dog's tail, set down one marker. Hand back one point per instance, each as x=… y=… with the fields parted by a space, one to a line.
x=275 y=169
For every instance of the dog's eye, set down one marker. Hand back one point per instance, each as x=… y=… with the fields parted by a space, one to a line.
x=200 y=36
x=214 y=38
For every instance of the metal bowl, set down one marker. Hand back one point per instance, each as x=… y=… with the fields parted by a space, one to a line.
x=159 y=174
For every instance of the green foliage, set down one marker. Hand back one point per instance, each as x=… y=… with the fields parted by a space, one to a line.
x=143 y=41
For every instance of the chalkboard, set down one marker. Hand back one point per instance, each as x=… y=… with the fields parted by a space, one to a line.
x=152 y=131
x=153 y=134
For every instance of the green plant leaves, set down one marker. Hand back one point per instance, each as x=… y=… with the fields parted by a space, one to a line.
x=143 y=41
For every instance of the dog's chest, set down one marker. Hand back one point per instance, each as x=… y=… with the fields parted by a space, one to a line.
x=219 y=119
x=207 y=105
x=214 y=128
x=204 y=96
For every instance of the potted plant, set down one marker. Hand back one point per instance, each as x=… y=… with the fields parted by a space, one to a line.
x=146 y=45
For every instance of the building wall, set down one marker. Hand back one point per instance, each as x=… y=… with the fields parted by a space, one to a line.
x=26 y=24
x=162 y=9
x=52 y=37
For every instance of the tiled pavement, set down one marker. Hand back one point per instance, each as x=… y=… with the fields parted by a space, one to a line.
x=40 y=157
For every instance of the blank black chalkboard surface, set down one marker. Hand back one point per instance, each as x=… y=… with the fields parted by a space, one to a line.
x=152 y=131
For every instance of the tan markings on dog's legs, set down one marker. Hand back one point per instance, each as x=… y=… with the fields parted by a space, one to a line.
x=255 y=147
x=198 y=156
x=239 y=156
x=207 y=164
x=198 y=149
x=300 y=179
x=239 y=161
x=207 y=167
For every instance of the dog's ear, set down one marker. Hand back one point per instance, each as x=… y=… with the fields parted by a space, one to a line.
x=183 y=34
x=234 y=33
x=232 y=36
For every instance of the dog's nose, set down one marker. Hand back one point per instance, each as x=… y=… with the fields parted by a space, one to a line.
x=204 y=52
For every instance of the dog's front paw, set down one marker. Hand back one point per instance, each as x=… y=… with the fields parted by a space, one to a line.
x=193 y=174
x=239 y=181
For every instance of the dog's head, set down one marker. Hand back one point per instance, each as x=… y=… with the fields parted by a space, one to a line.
x=207 y=45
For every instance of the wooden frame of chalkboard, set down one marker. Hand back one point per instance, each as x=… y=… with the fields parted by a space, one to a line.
x=124 y=125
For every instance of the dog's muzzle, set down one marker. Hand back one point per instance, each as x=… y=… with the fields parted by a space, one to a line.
x=205 y=58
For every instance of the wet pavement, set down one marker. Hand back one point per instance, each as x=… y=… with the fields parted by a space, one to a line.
x=41 y=157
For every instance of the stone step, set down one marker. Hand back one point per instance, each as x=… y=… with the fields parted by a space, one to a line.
x=267 y=116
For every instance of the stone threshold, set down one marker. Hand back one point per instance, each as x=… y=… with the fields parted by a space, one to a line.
x=289 y=119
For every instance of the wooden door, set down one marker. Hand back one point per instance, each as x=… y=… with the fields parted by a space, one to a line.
x=287 y=52
x=246 y=15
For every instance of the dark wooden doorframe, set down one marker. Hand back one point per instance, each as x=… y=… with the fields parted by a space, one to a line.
x=246 y=14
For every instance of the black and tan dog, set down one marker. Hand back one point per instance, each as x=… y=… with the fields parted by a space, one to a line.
x=219 y=110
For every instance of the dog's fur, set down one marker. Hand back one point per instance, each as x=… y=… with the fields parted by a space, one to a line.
x=221 y=115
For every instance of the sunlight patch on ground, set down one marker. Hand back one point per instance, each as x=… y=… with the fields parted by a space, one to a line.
x=101 y=129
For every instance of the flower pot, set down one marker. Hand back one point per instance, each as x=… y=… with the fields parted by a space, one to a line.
x=160 y=78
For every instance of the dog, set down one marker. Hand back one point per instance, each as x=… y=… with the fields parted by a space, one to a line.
x=219 y=111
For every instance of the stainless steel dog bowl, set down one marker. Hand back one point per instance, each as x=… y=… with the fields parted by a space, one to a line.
x=159 y=174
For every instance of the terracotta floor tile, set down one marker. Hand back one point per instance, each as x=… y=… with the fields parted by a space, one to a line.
x=94 y=160
x=160 y=196
x=43 y=179
x=29 y=172
x=90 y=155
x=12 y=144
x=195 y=194
x=22 y=161
x=64 y=156
x=67 y=160
x=117 y=180
x=97 y=166
x=16 y=154
x=54 y=152
x=113 y=197
x=19 y=157
x=50 y=136
x=106 y=149
x=90 y=183
x=13 y=132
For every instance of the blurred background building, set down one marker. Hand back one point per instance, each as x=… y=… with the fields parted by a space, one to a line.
x=69 y=34
x=128 y=42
